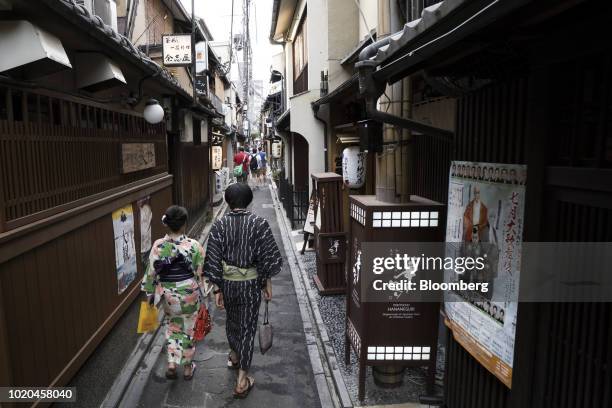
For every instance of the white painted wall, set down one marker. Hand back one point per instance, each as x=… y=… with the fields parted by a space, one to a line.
x=304 y=123
x=370 y=12
x=187 y=133
x=318 y=51
x=343 y=36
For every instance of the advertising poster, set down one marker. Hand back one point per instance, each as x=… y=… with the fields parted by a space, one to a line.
x=146 y=215
x=485 y=216
x=125 y=249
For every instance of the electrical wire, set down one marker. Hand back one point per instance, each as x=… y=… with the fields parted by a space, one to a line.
x=364 y=20
x=231 y=40
x=147 y=27
x=411 y=53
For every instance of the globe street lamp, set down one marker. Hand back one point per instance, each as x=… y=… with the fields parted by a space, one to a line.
x=153 y=112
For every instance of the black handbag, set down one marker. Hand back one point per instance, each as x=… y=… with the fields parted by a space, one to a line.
x=265 y=333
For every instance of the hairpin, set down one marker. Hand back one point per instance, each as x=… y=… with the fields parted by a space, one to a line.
x=164 y=219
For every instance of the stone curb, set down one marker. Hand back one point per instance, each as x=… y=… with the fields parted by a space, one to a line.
x=322 y=355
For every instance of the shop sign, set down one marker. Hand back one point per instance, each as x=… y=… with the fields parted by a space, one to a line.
x=137 y=156
x=217 y=157
x=176 y=50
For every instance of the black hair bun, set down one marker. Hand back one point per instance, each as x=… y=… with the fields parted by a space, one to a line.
x=175 y=217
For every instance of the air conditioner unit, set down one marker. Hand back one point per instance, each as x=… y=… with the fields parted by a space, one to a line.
x=33 y=51
x=105 y=9
x=88 y=4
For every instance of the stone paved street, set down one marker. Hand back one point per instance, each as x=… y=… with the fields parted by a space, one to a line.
x=284 y=376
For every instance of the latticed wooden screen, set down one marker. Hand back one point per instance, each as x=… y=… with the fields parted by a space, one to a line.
x=56 y=150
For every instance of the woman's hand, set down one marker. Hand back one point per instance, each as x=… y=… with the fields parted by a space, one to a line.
x=267 y=290
x=219 y=301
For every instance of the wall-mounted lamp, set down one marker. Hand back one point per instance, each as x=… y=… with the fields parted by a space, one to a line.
x=153 y=112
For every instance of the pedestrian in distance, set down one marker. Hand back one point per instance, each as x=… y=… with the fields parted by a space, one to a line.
x=242 y=257
x=175 y=281
x=262 y=164
x=241 y=161
x=253 y=166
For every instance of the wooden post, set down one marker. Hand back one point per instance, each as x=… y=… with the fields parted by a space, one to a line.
x=6 y=377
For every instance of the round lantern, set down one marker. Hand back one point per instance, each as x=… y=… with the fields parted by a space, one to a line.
x=353 y=167
x=276 y=150
x=153 y=112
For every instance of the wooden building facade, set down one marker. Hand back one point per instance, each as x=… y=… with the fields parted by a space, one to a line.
x=530 y=82
x=70 y=157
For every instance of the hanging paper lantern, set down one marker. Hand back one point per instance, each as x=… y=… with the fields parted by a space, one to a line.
x=353 y=167
x=276 y=150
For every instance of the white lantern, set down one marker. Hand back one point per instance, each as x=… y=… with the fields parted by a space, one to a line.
x=277 y=150
x=353 y=167
x=153 y=112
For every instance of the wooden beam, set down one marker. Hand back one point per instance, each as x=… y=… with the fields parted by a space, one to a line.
x=6 y=375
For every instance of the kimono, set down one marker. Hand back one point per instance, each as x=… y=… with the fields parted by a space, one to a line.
x=180 y=298
x=241 y=243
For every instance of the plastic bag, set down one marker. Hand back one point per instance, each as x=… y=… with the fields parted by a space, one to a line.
x=203 y=324
x=148 y=318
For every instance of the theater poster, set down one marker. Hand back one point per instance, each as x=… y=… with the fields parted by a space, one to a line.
x=485 y=217
x=125 y=249
x=146 y=216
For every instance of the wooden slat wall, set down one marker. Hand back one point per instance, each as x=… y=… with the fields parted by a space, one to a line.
x=193 y=181
x=56 y=151
x=563 y=352
x=60 y=299
x=491 y=127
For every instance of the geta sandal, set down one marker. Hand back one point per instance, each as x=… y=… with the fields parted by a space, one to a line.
x=189 y=377
x=245 y=393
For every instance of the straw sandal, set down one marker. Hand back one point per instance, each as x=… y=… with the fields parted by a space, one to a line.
x=190 y=376
x=171 y=374
x=245 y=393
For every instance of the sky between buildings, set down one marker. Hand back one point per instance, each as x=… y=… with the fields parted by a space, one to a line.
x=218 y=16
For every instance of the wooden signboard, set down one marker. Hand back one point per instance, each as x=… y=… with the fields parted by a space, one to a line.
x=392 y=333
x=137 y=156
x=176 y=50
x=217 y=157
x=332 y=247
x=329 y=234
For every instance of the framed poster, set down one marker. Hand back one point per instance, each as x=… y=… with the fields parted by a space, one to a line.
x=485 y=213
x=176 y=50
x=125 y=248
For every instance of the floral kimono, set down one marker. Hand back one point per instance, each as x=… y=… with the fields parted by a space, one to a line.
x=173 y=277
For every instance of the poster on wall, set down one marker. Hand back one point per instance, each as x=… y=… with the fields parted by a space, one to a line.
x=146 y=215
x=485 y=216
x=125 y=250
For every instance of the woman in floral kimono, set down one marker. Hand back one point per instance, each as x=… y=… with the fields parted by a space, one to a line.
x=172 y=279
x=241 y=258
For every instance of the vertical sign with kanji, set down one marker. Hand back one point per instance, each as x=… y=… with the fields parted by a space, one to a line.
x=176 y=49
